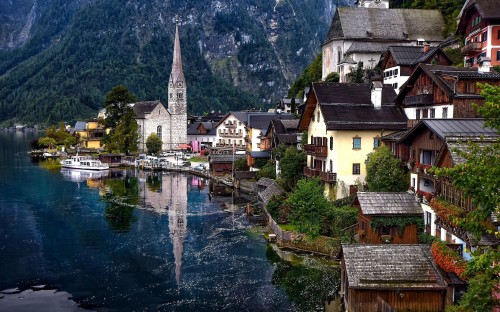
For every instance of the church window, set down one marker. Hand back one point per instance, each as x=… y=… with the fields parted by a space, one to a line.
x=180 y=95
x=171 y=95
x=158 y=132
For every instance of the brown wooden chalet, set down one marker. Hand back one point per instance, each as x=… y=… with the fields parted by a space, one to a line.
x=435 y=91
x=409 y=57
x=396 y=277
x=435 y=143
x=280 y=132
x=221 y=165
x=379 y=206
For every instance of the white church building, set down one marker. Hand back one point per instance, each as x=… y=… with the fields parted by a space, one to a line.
x=170 y=124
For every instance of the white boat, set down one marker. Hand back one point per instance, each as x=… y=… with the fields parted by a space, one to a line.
x=84 y=162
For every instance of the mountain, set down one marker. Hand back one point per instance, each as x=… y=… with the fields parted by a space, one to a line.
x=58 y=58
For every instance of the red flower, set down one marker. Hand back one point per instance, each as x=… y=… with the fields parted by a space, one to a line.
x=447 y=259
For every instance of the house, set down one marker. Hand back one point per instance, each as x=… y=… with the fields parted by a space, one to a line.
x=169 y=124
x=435 y=91
x=203 y=132
x=433 y=142
x=359 y=35
x=479 y=24
x=391 y=277
x=398 y=62
x=287 y=105
x=376 y=208
x=280 y=131
x=221 y=165
x=345 y=122
x=231 y=132
x=90 y=133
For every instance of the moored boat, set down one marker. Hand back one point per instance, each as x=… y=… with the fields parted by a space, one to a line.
x=84 y=162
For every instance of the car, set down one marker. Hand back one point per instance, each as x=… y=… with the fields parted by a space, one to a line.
x=200 y=168
x=186 y=164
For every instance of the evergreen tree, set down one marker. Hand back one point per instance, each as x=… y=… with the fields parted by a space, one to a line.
x=357 y=74
x=116 y=104
x=125 y=137
x=291 y=167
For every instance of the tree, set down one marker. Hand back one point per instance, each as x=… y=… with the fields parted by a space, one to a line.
x=479 y=178
x=124 y=138
x=291 y=168
x=309 y=207
x=240 y=164
x=47 y=142
x=116 y=104
x=384 y=172
x=310 y=74
x=153 y=144
x=357 y=74
x=332 y=77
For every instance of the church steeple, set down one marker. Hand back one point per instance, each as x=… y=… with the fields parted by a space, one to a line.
x=177 y=83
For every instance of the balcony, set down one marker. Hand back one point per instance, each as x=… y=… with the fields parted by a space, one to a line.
x=472 y=48
x=421 y=99
x=316 y=150
x=231 y=134
x=230 y=125
x=328 y=177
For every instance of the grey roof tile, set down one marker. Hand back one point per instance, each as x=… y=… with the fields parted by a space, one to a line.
x=388 y=203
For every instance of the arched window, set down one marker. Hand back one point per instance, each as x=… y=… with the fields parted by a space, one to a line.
x=158 y=132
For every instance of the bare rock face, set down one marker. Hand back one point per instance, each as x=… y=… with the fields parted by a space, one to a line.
x=16 y=20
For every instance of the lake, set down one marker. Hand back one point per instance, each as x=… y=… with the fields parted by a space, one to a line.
x=130 y=240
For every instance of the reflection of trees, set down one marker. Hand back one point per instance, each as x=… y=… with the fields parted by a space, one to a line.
x=154 y=182
x=121 y=197
x=307 y=286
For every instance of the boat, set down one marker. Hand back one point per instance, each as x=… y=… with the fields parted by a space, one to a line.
x=79 y=175
x=84 y=162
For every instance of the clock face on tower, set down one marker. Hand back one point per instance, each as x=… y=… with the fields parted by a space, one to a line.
x=179 y=84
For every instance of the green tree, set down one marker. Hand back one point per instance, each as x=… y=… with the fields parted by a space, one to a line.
x=125 y=137
x=116 y=104
x=309 y=206
x=267 y=171
x=357 y=74
x=47 y=142
x=310 y=74
x=384 y=172
x=291 y=168
x=240 y=164
x=153 y=144
x=479 y=178
x=332 y=77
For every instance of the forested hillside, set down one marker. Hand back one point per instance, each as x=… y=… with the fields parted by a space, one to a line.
x=237 y=54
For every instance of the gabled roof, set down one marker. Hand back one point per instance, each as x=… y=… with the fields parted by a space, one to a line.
x=386 y=24
x=262 y=120
x=440 y=75
x=193 y=128
x=488 y=9
x=390 y=266
x=349 y=106
x=80 y=125
x=225 y=158
x=388 y=203
x=266 y=188
x=143 y=108
x=443 y=128
x=412 y=55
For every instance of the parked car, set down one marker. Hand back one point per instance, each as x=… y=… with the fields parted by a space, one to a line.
x=186 y=164
x=200 y=168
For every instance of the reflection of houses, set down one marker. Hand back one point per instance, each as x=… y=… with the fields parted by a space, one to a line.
x=90 y=133
x=345 y=122
x=392 y=278
x=361 y=35
x=398 y=62
x=433 y=143
x=376 y=209
x=435 y=91
x=480 y=25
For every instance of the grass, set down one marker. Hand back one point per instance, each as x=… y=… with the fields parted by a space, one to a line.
x=287 y=227
x=198 y=159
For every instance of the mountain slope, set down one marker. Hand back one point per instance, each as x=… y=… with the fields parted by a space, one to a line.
x=237 y=53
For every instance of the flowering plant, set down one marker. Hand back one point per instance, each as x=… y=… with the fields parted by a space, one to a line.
x=448 y=259
x=447 y=211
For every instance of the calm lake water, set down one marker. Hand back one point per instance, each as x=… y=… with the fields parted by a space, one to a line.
x=134 y=241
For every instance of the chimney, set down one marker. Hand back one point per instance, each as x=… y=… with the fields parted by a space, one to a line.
x=376 y=93
x=484 y=65
x=426 y=47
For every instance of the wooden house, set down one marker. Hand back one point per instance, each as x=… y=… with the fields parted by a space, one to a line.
x=221 y=165
x=281 y=132
x=443 y=92
x=376 y=209
x=396 y=277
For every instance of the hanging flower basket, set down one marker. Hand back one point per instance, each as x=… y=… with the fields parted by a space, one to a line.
x=386 y=238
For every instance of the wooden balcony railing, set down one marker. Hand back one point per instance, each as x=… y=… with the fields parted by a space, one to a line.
x=231 y=135
x=316 y=150
x=471 y=48
x=420 y=99
x=328 y=177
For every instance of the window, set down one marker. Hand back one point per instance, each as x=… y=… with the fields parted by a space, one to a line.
x=318 y=117
x=396 y=72
x=312 y=139
x=171 y=95
x=180 y=95
x=331 y=143
x=498 y=55
x=498 y=34
x=470 y=87
x=433 y=113
x=356 y=168
x=417 y=114
x=426 y=157
x=331 y=166
x=428 y=218
x=356 y=143
x=445 y=112
x=484 y=36
x=425 y=113
x=376 y=142
x=158 y=132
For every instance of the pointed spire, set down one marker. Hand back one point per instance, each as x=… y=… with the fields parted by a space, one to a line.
x=177 y=73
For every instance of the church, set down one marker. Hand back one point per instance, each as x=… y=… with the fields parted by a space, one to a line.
x=170 y=124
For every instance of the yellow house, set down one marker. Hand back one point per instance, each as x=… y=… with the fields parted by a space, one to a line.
x=90 y=133
x=345 y=122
